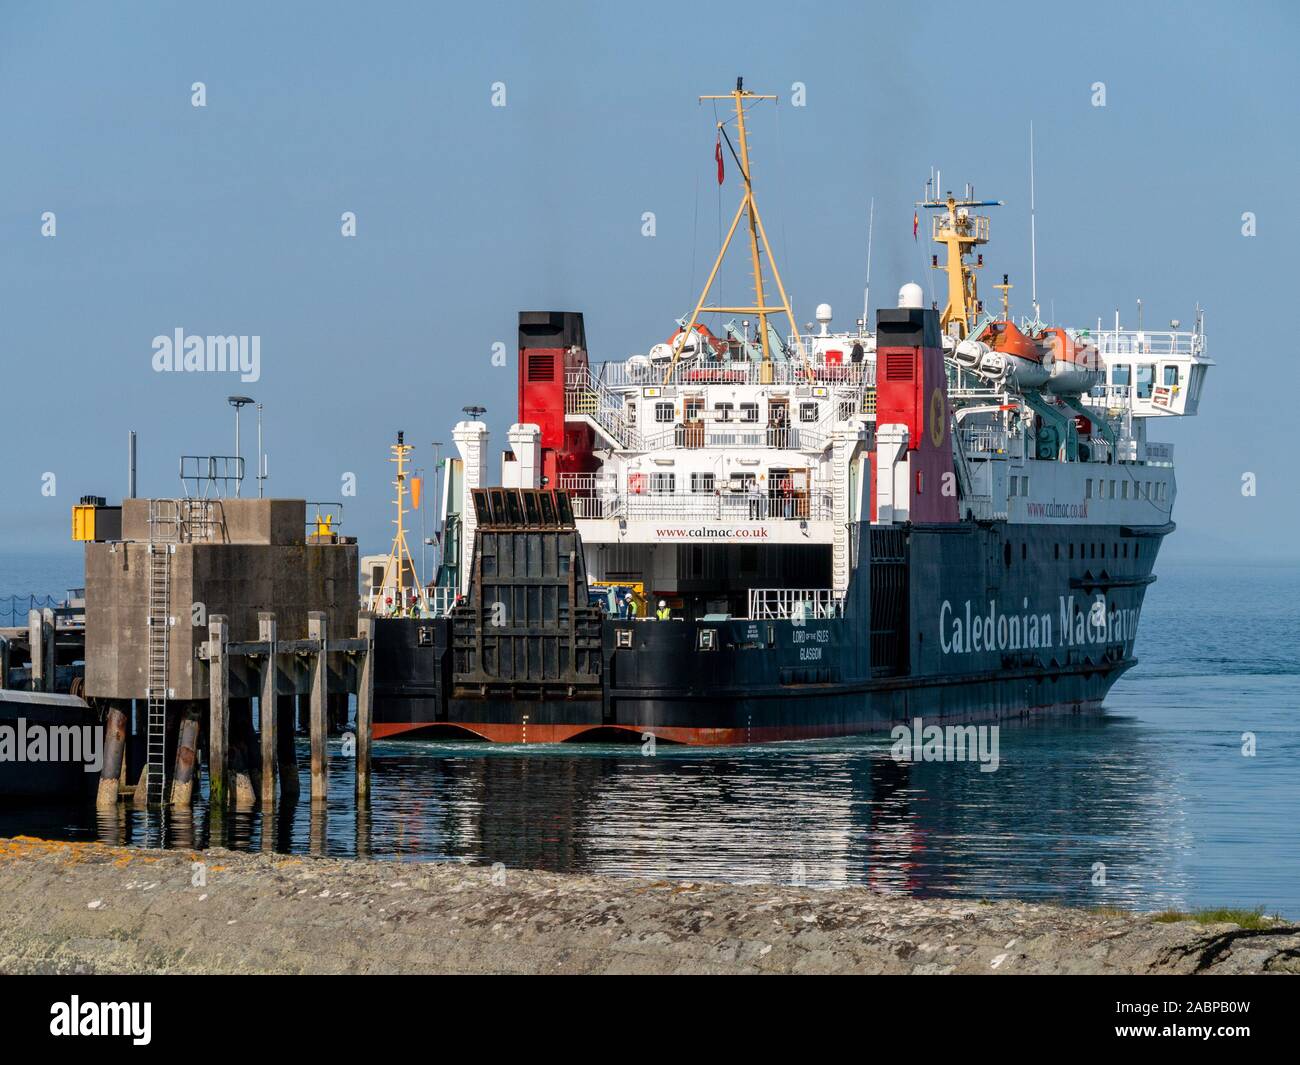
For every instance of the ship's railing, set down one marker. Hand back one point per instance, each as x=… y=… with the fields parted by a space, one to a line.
x=984 y=440
x=585 y=395
x=712 y=506
x=1147 y=342
x=970 y=226
x=783 y=604
x=618 y=375
x=729 y=506
x=790 y=438
x=441 y=600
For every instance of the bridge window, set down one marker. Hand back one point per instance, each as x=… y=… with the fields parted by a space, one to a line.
x=1121 y=374
x=701 y=482
x=1171 y=376
x=1146 y=379
x=663 y=483
x=749 y=412
x=664 y=412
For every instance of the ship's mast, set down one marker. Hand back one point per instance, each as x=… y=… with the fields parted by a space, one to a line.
x=960 y=232
x=748 y=208
x=399 y=562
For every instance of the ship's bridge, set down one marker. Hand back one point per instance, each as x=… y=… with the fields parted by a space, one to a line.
x=1152 y=373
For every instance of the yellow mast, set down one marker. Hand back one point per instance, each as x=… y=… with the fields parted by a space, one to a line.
x=960 y=232
x=399 y=561
x=747 y=208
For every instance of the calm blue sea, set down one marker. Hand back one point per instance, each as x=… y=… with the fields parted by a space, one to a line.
x=1153 y=795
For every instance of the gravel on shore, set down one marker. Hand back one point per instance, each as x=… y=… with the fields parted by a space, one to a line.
x=93 y=908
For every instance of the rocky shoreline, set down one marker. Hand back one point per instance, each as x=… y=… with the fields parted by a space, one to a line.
x=93 y=908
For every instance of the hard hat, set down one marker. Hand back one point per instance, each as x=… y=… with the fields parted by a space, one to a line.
x=662 y=604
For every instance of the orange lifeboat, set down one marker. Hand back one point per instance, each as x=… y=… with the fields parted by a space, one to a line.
x=1004 y=337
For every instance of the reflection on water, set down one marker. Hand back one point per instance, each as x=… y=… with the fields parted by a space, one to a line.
x=1069 y=793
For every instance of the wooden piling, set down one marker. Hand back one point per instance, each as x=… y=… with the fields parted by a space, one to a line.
x=268 y=709
x=114 y=747
x=365 y=703
x=286 y=729
x=187 y=756
x=219 y=709
x=50 y=659
x=244 y=760
x=317 y=630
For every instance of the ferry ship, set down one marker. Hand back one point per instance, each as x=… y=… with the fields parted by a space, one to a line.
x=745 y=534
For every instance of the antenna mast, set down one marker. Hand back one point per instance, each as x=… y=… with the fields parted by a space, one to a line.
x=1033 y=231
x=399 y=563
x=866 y=293
x=757 y=233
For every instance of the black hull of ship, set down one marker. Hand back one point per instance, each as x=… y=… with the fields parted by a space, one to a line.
x=910 y=644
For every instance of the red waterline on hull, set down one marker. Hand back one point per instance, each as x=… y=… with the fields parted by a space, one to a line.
x=697 y=736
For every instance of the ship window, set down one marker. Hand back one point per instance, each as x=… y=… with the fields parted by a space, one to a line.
x=1087 y=490
x=1024 y=551
x=631 y=414
x=691 y=408
x=1092 y=553
x=1146 y=378
x=1126 y=550
x=1111 y=490
x=1171 y=375
x=1006 y=553
x=723 y=411
x=663 y=412
x=663 y=483
x=1056 y=553
x=1072 y=551
x=1119 y=374
x=749 y=412
x=701 y=482
x=807 y=412
x=1137 y=550
x=1123 y=490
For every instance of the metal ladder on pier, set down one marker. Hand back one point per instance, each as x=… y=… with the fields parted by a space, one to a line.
x=163 y=532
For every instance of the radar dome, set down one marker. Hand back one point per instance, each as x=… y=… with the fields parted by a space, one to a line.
x=910 y=295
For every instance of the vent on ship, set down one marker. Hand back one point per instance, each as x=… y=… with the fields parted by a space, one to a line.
x=541 y=367
x=899 y=366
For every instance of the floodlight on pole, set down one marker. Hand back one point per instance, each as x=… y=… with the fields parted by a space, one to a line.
x=238 y=402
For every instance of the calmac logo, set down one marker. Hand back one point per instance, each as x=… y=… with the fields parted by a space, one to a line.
x=938 y=422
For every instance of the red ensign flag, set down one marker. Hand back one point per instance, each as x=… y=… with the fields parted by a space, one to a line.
x=717 y=154
x=916 y=224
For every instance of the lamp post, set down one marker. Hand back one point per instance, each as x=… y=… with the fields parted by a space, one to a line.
x=238 y=402
x=261 y=463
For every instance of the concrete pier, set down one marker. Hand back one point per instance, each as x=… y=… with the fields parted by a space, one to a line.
x=106 y=909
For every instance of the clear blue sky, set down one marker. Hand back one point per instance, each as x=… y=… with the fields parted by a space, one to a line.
x=225 y=219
